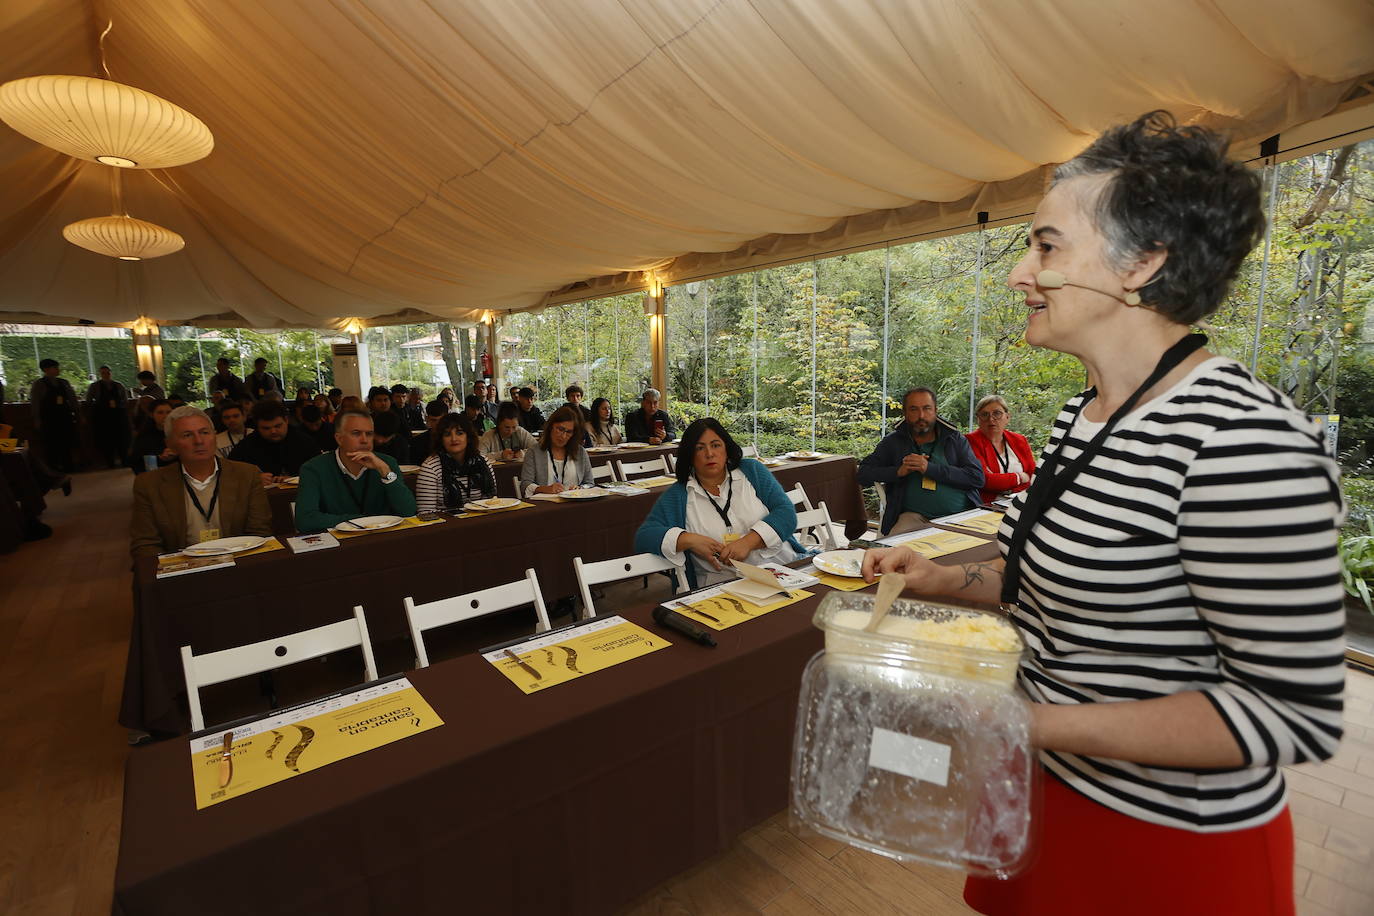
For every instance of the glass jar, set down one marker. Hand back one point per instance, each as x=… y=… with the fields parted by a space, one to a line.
x=912 y=748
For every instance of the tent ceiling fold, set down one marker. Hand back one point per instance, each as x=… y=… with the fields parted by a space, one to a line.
x=409 y=162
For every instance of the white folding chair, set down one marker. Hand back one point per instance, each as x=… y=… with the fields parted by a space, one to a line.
x=672 y=462
x=641 y=564
x=652 y=468
x=602 y=472
x=515 y=487
x=750 y=451
x=814 y=524
x=881 y=489
x=255 y=658
x=470 y=606
x=799 y=498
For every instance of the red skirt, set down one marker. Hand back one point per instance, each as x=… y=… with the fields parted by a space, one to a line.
x=1094 y=860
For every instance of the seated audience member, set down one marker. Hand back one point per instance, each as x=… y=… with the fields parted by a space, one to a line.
x=414 y=409
x=336 y=397
x=235 y=421
x=560 y=462
x=456 y=473
x=926 y=468
x=352 y=481
x=1007 y=460
x=314 y=425
x=278 y=449
x=260 y=382
x=304 y=396
x=508 y=441
x=148 y=387
x=217 y=399
x=649 y=424
x=378 y=400
x=200 y=497
x=487 y=395
x=225 y=380
x=350 y=402
x=150 y=440
x=576 y=396
x=176 y=401
x=600 y=425
x=449 y=398
x=326 y=409
x=399 y=393
x=531 y=417
x=472 y=409
x=724 y=507
x=420 y=446
x=389 y=438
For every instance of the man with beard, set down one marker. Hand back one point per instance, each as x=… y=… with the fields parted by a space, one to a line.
x=926 y=467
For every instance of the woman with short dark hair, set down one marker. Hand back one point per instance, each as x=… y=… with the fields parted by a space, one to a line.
x=1173 y=566
x=455 y=473
x=560 y=462
x=724 y=507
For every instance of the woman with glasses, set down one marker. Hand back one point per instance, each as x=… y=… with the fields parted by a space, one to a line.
x=560 y=462
x=1007 y=459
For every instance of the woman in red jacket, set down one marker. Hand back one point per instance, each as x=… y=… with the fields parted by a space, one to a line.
x=1007 y=459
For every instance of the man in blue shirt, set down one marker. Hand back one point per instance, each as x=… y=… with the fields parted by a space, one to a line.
x=926 y=468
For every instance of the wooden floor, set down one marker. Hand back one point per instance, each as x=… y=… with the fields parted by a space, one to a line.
x=64 y=626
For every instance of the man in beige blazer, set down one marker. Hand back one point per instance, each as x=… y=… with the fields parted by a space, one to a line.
x=201 y=497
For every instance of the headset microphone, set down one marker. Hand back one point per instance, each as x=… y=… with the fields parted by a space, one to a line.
x=1053 y=279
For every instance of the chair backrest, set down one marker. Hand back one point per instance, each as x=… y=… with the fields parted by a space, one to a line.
x=515 y=487
x=653 y=467
x=227 y=664
x=472 y=605
x=881 y=489
x=816 y=523
x=641 y=564
x=750 y=451
x=799 y=498
x=602 y=472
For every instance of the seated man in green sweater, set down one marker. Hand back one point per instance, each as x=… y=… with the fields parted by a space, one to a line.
x=351 y=481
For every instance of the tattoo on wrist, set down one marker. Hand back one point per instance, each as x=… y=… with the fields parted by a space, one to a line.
x=974 y=573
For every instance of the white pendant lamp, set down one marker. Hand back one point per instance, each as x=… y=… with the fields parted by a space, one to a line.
x=123 y=237
x=103 y=121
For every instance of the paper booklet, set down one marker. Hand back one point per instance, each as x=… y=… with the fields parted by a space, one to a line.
x=763 y=582
x=179 y=565
x=308 y=542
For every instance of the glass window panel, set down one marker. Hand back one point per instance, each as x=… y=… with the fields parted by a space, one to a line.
x=76 y=348
x=784 y=358
x=849 y=337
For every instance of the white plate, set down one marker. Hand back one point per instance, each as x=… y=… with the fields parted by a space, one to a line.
x=804 y=456
x=486 y=505
x=224 y=545
x=291 y=481
x=586 y=493
x=637 y=445
x=410 y=468
x=771 y=462
x=368 y=523
x=599 y=449
x=847 y=563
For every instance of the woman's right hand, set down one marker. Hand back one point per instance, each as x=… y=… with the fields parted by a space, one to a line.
x=707 y=548
x=550 y=488
x=922 y=576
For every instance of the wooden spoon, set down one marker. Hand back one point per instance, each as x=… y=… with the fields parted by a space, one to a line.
x=890 y=585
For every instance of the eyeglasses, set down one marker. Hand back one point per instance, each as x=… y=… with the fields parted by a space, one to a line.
x=992 y=415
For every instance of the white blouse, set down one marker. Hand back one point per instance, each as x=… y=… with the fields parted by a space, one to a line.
x=747 y=513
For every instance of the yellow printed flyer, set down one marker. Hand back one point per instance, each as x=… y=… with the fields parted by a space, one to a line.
x=984 y=521
x=296 y=741
x=933 y=542
x=564 y=655
x=720 y=610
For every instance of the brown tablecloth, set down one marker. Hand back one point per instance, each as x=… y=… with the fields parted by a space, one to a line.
x=576 y=800
x=278 y=593
x=281 y=498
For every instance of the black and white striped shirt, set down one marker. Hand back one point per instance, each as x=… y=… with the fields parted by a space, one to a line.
x=1197 y=551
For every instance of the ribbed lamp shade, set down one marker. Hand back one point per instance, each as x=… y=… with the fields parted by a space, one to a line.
x=104 y=121
x=123 y=237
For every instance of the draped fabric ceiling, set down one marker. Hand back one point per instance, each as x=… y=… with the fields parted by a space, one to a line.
x=399 y=160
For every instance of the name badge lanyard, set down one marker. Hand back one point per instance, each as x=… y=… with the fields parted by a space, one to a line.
x=553 y=469
x=214 y=497
x=729 y=498
x=1050 y=482
x=1003 y=458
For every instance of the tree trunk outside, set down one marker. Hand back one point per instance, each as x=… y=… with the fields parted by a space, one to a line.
x=455 y=377
x=465 y=351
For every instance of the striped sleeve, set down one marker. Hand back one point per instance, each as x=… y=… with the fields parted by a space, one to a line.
x=429 y=493
x=1258 y=551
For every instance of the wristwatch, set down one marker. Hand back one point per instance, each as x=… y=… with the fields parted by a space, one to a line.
x=390 y=477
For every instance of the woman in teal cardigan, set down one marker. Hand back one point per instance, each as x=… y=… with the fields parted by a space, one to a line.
x=723 y=507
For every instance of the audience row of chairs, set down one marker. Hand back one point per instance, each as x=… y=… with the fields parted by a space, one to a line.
x=814 y=529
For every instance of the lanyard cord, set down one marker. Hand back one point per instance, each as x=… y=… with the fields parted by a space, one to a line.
x=729 y=498
x=214 y=498
x=1050 y=483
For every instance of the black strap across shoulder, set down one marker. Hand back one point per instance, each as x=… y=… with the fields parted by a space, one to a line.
x=1051 y=482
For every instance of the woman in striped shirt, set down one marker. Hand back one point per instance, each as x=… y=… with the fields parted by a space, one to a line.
x=1173 y=568
x=455 y=473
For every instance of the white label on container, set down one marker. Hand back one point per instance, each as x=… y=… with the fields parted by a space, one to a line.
x=910 y=756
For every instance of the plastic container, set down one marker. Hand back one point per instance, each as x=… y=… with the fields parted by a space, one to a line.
x=915 y=749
